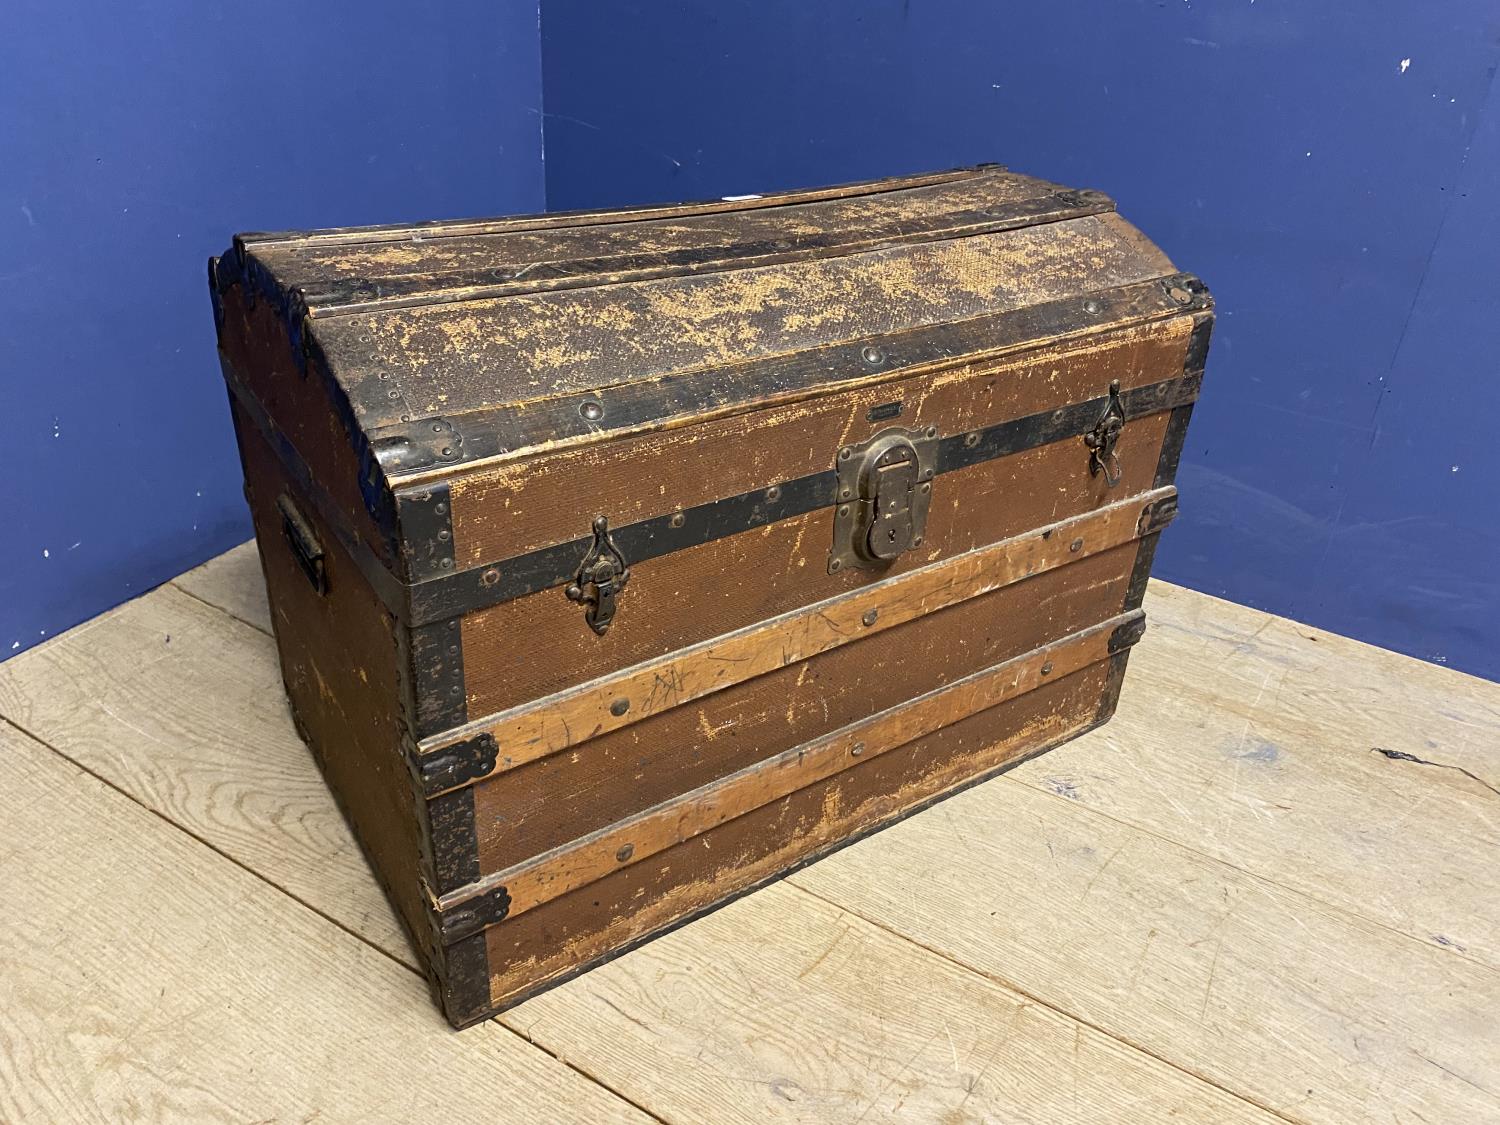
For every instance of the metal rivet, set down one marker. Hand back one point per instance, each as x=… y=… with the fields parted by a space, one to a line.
x=443 y=535
x=447 y=451
x=927 y=488
x=870 y=617
x=872 y=354
x=773 y=493
x=455 y=690
x=1047 y=667
x=857 y=749
x=917 y=542
x=1092 y=306
x=1179 y=294
x=490 y=576
x=678 y=519
x=932 y=431
x=393 y=394
x=446 y=564
x=619 y=707
x=437 y=427
x=1075 y=546
x=845 y=453
x=625 y=853
x=845 y=493
x=971 y=439
x=592 y=410
x=440 y=508
x=453 y=651
x=834 y=564
x=843 y=509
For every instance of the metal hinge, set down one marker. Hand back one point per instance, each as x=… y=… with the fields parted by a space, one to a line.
x=1102 y=438
x=600 y=578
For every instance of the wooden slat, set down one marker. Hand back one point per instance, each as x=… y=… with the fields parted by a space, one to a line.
x=440 y=228
x=148 y=979
x=701 y=810
x=1310 y=1011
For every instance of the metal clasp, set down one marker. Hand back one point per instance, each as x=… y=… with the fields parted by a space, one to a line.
x=884 y=490
x=1102 y=438
x=601 y=576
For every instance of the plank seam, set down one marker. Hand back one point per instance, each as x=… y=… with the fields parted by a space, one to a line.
x=181 y=589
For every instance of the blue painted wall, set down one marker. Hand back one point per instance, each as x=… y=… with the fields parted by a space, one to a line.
x=135 y=138
x=1329 y=167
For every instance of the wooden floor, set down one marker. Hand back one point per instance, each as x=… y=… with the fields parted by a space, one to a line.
x=1268 y=890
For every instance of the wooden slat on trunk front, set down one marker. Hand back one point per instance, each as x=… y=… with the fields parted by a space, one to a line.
x=631 y=904
x=530 y=810
x=702 y=810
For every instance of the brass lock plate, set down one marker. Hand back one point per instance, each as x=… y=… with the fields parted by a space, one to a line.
x=884 y=491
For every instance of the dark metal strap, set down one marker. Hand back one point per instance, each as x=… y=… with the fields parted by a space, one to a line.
x=503 y=580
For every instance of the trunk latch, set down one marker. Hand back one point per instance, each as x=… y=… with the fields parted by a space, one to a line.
x=600 y=578
x=884 y=490
x=1102 y=438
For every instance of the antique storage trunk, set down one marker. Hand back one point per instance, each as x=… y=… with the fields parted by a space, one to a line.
x=623 y=561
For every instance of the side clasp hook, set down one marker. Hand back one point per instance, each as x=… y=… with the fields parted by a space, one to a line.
x=1102 y=438
x=601 y=576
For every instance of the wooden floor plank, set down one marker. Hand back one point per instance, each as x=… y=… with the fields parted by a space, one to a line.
x=1248 y=656
x=182 y=707
x=781 y=1007
x=232 y=582
x=1253 y=740
x=1305 y=1009
x=147 y=978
